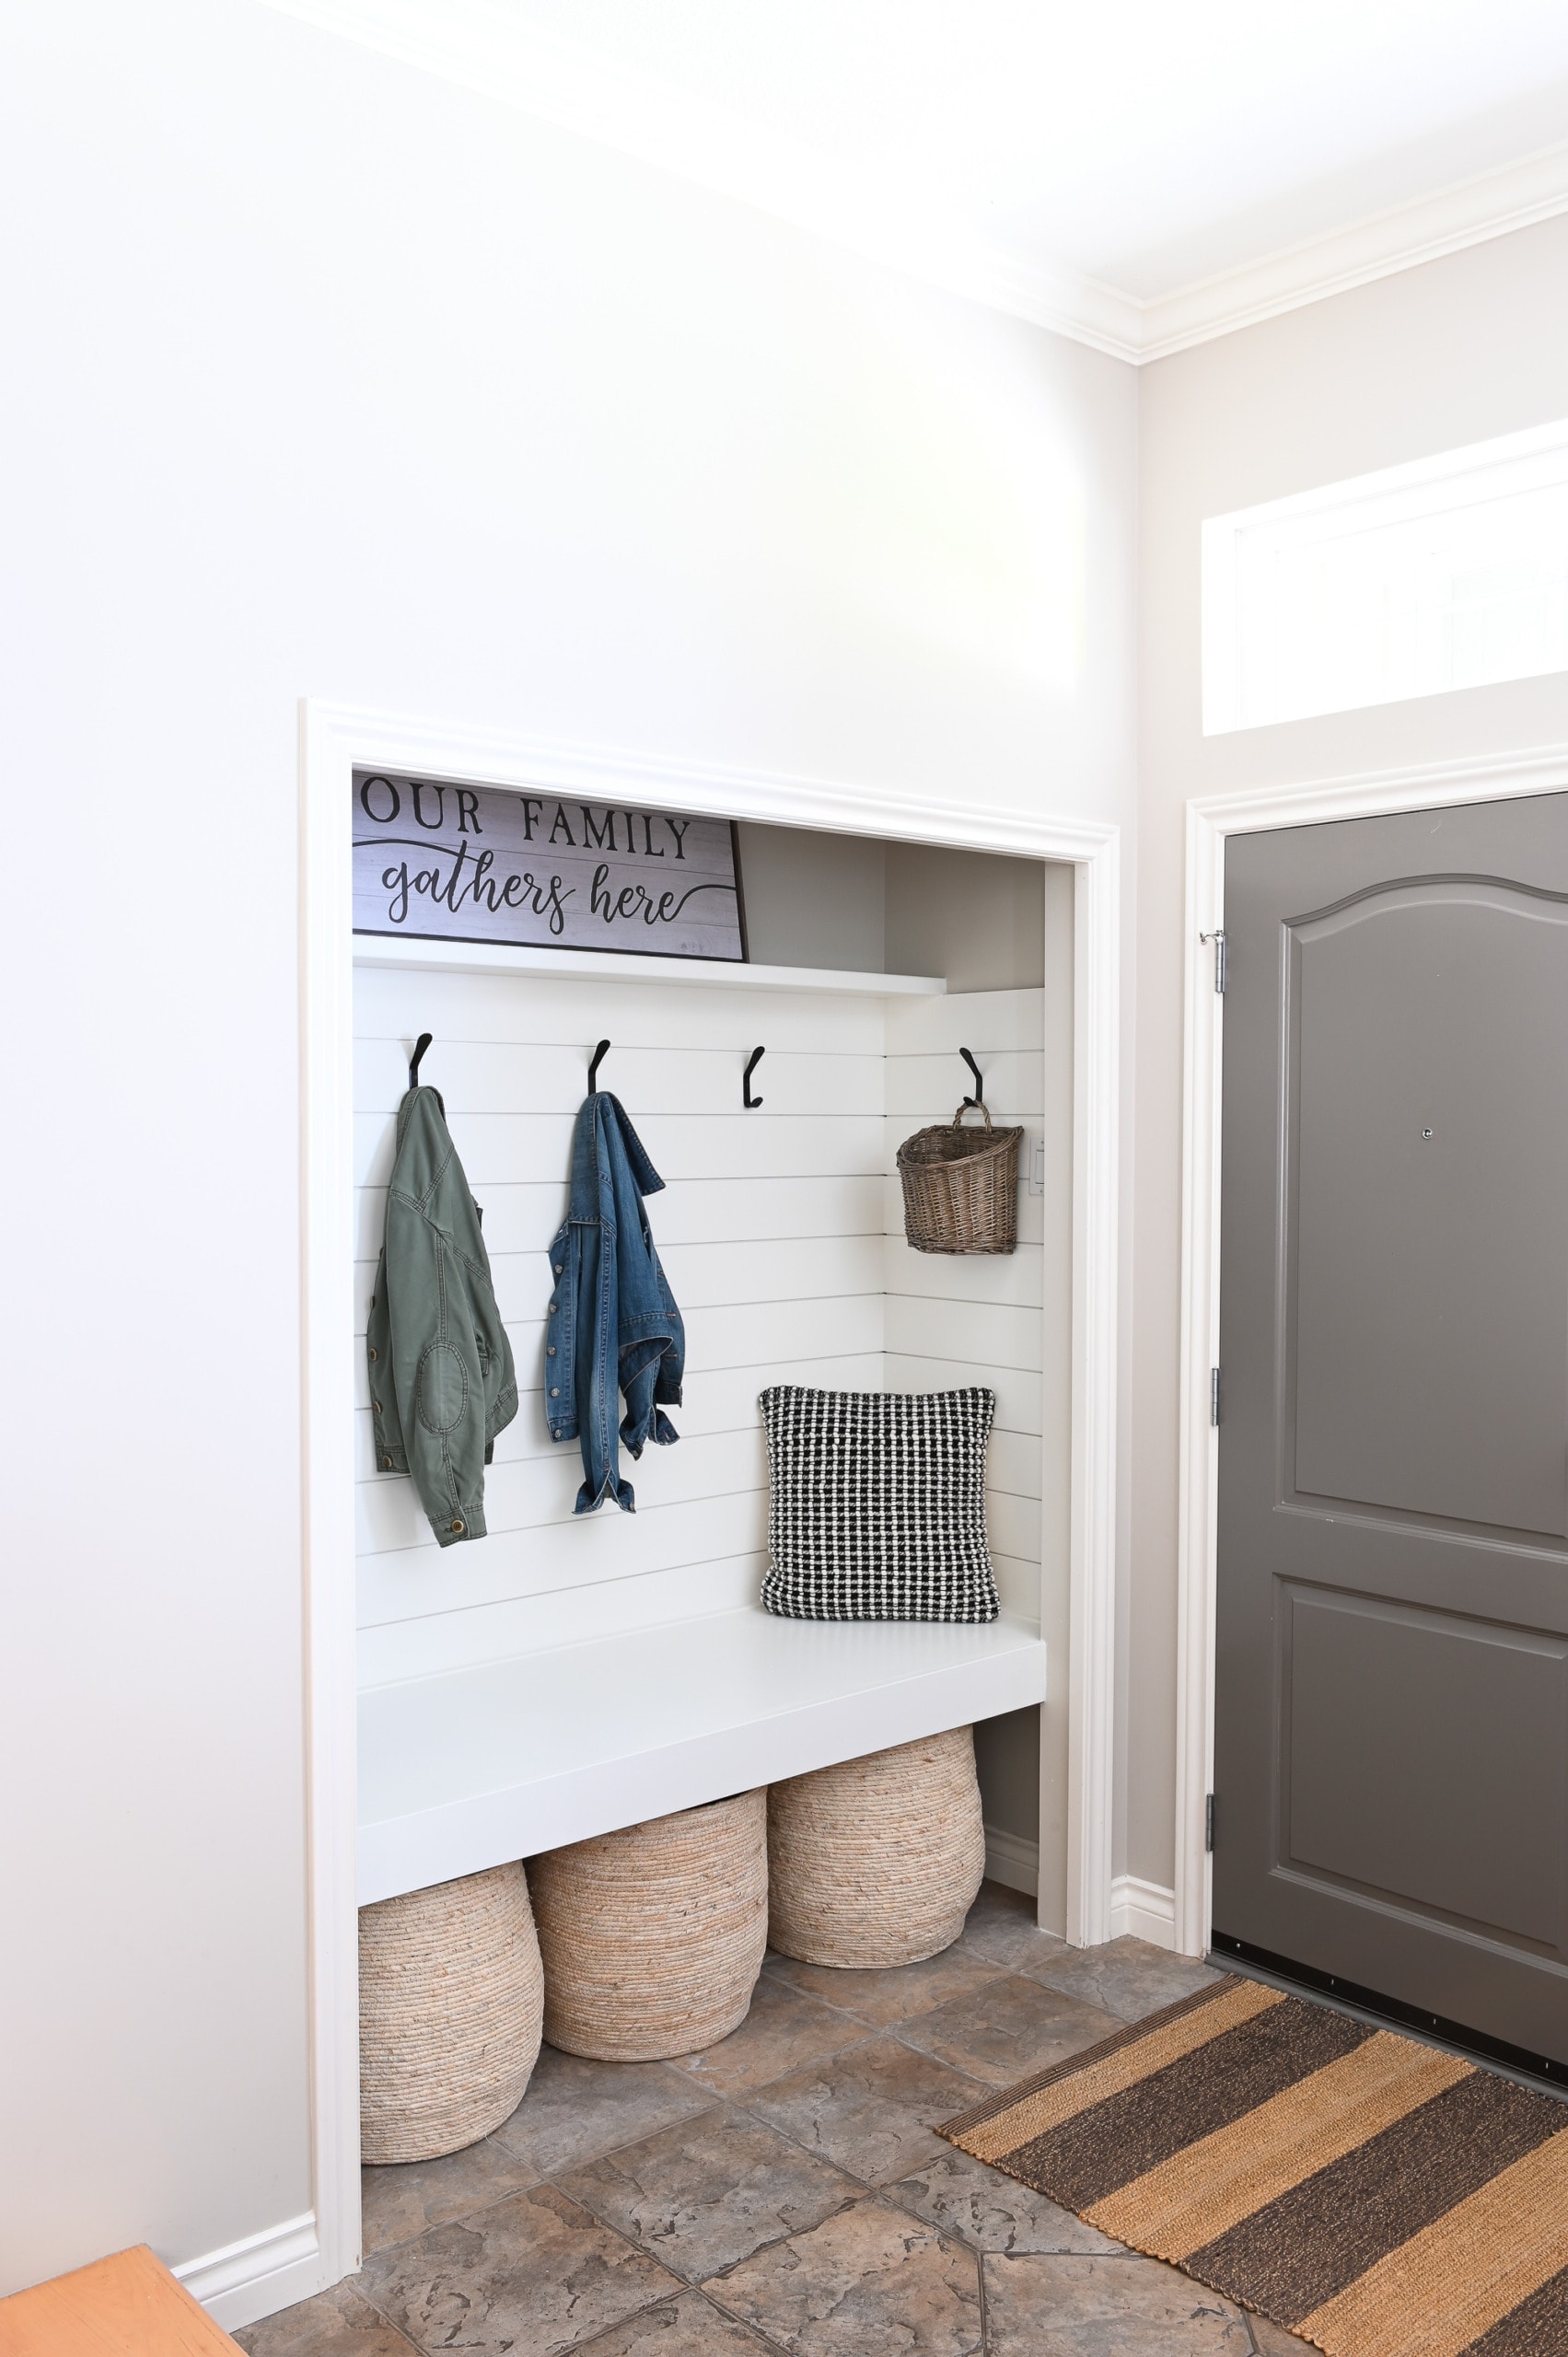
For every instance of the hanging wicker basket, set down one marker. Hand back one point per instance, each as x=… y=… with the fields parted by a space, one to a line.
x=652 y=1937
x=961 y=1187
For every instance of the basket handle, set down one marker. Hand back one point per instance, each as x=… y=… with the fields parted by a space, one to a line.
x=969 y=1106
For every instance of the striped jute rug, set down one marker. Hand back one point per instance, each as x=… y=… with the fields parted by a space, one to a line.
x=1378 y=2197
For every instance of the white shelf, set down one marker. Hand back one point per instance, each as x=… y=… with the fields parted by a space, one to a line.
x=479 y=1766
x=575 y=965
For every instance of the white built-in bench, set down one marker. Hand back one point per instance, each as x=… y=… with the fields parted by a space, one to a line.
x=474 y=1767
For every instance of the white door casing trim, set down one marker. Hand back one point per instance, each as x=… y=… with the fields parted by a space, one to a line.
x=333 y=737
x=1210 y=822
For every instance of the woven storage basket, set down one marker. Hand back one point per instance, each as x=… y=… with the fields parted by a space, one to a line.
x=652 y=1937
x=961 y=1187
x=876 y=1862
x=451 y=1999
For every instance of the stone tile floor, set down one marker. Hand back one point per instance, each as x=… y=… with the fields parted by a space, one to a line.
x=785 y=2192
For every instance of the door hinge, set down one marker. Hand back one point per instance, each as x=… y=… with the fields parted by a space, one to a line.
x=1208 y=1820
x=1213 y=1395
x=1221 y=946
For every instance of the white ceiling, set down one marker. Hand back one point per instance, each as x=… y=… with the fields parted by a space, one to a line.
x=1090 y=164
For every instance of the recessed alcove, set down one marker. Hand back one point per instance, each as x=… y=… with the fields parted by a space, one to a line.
x=570 y=1674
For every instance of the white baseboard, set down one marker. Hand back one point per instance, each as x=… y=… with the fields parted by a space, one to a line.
x=249 y=2279
x=1145 y=1911
x=1012 y=1860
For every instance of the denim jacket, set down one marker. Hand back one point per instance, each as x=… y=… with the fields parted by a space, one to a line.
x=612 y=1321
x=440 y=1366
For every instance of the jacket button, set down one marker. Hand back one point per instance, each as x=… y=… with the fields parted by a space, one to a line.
x=386 y=1463
x=557 y=1266
x=555 y=1391
x=555 y=1305
x=457 y=1529
x=377 y=1405
x=549 y=1352
x=372 y=1358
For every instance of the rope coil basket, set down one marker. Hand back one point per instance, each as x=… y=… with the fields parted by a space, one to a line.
x=876 y=1862
x=961 y=1186
x=652 y=1937
x=451 y=2000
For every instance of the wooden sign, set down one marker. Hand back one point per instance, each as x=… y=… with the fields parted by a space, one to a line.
x=436 y=861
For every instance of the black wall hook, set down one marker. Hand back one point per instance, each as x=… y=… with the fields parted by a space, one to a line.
x=979 y=1096
x=418 y=1056
x=600 y=1054
x=749 y=1101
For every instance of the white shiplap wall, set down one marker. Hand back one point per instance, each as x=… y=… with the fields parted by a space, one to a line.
x=781 y=1235
x=974 y=1319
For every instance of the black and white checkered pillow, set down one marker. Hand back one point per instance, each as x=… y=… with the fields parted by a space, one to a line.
x=877 y=1505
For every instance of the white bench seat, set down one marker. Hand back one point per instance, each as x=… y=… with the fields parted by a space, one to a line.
x=475 y=1767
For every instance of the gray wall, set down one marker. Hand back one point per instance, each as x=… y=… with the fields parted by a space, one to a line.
x=978 y=920
x=814 y=899
x=1474 y=345
x=866 y=906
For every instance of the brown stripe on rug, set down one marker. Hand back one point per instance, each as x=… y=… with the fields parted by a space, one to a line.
x=1377 y=2195
x=1311 y=2242
x=1065 y=2089
x=1213 y=2185
x=1128 y=2134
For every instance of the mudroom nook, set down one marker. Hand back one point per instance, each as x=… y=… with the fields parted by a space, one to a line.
x=568 y=1676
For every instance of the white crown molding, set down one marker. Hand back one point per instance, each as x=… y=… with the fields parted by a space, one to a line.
x=1468 y=214
x=481 y=47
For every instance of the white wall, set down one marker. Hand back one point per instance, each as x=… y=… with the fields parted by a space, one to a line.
x=1471 y=346
x=323 y=377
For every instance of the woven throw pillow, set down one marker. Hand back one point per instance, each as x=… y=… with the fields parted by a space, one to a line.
x=877 y=1505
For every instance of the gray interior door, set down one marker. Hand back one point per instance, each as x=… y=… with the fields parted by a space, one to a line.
x=1391 y=1731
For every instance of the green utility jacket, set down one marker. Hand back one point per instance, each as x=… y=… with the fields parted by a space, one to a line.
x=442 y=1384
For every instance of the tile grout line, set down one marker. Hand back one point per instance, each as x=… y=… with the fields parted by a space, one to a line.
x=667 y=2299
x=886 y=2193
x=717 y=2102
x=867 y=2187
x=391 y=2322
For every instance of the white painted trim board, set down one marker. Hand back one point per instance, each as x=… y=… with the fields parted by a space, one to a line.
x=1143 y=1910
x=586 y=965
x=255 y=2277
x=1209 y=823
x=334 y=738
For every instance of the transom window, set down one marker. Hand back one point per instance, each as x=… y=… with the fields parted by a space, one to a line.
x=1449 y=572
